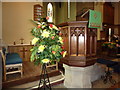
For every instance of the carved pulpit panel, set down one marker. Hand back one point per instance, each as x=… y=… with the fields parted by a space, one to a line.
x=65 y=32
x=80 y=43
x=73 y=42
x=77 y=44
x=91 y=42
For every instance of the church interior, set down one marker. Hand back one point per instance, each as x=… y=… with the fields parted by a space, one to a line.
x=93 y=54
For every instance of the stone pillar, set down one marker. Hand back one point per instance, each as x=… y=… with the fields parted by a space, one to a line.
x=98 y=6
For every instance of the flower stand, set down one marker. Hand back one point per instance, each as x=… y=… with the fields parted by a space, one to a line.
x=44 y=79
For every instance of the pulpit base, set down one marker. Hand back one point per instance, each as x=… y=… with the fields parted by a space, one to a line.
x=81 y=77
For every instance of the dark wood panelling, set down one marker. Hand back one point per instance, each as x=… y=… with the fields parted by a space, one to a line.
x=81 y=45
x=91 y=42
x=81 y=8
x=99 y=47
x=104 y=34
x=65 y=32
x=22 y=50
x=73 y=42
x=119 y=31
x=108 y=13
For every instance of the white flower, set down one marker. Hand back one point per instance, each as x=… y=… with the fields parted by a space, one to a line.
x=41 y=48
x=43 y=26
x=60 y=40
x=55 y=27
x=45 y=34
x=43 y=23
x=34 y=40
x=45 y=60
x=37 y=22
x=64 y=53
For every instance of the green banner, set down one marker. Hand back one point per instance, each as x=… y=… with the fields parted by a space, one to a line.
x=94 y=19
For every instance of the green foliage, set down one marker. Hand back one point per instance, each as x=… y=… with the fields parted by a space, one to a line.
x=47 y=43
x=109 y=45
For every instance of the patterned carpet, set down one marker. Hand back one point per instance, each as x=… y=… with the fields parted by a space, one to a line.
x=100 y=84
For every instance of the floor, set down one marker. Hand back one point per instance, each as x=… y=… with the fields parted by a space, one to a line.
x=116 y=86
x=34 y=84
x=35 y=70
x=96 y=84
x=99 y=83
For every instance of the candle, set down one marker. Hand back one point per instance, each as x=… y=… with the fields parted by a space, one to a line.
x=109 y=31
x=109 y=34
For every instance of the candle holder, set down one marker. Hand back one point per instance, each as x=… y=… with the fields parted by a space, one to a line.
x=21 y=40
x=14 y=43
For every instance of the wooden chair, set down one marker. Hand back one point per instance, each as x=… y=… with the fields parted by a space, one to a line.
x=12 y=63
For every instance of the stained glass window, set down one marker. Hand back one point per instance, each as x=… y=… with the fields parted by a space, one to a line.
x=50 y=12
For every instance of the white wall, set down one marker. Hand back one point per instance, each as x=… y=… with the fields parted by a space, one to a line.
x=16 y=21
x=98 y=6
x=0 y=20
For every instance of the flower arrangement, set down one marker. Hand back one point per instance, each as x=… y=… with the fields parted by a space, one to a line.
x=117 y=43
x=48 y=43
x=110 y=45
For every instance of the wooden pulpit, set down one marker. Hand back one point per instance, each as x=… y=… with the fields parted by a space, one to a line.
x=80 y=43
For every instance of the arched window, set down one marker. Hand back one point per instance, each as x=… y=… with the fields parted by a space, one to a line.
x=50 y=12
